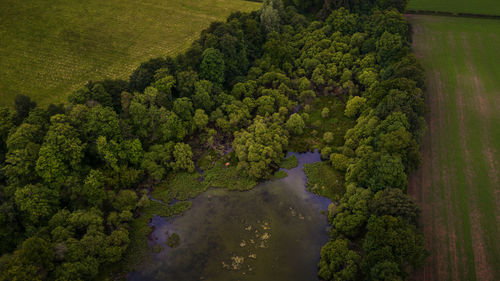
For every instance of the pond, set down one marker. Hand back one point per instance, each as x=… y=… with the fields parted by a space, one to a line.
x=272 y=232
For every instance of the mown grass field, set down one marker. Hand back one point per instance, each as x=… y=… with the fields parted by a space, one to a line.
x=485 y=7
x=458 y=187
x=49 y=48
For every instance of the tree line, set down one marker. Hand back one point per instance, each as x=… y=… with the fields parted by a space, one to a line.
x=73 y=176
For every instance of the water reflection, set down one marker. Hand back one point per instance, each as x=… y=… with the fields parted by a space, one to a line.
x=272 y=232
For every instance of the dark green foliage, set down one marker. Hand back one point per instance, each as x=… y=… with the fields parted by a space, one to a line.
x=260 y=148
x=73 y=178
x=392 y=247
x=23 y=105
x=143 y=76
x=212 y=66
x=395 y=203
x=338 y=262
x=350 y=216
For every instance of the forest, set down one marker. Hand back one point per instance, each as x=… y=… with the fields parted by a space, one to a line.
x=75 y=177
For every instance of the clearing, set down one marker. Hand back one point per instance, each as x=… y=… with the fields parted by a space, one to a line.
x=50 y=48
x=458 y=187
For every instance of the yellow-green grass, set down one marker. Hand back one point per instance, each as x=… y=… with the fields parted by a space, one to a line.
x=482 y=7
x=50 y=48
x=458 y=186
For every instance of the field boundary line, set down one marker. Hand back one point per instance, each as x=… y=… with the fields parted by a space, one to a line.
x=451 y=14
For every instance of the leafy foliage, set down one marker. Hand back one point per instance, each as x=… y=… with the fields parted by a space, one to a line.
x=73 y=178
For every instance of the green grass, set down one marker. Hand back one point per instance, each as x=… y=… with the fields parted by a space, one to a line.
x=279 y=175
x=324 y=180
x=179 y=186
x=484 y=7
x=289 y=163
x=229 y=177
x=458 y=186
x=50 y=48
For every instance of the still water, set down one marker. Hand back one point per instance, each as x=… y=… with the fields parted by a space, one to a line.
x=272 y=232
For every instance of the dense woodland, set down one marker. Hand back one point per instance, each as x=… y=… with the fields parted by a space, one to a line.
x=75 y=176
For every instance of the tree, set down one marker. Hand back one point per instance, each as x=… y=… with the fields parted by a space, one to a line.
x=376 y=171
x=143 y=76
x=38 y=201
x=33 y=261
x=23 y=105
x=388 y=47
x=168 y=126
x=212 y=66
x=23 y=146
x=338 y=262
x=350 y=217
x=101 y=121
x=295 y=124
x=157 y=160
x=202 y=95
x=328 y=137
x=393 y=248
x=355 y=106
x=183 y=107
x=183 y=158
x=260 y=148
x=61 y=152
x=325 y=112
x=200 y=119
x=125 y=200
x=340 y=161
x=270 y=15
x=393 y=202
x=93 y=189
x=265 y=105
x=185 y=82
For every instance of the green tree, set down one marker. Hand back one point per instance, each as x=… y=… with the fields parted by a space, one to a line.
x=183 y=158
x=388 y=47
x=200 y=119
x=338 y=262
x=350 y=217
x=260 y=148
x=156 y=161
x=212 y=66
x=270 y=15
x=125 y=200
x=38 y=201
x=393 y=248
x=393 y=202
x=93 y=189
x=23 y=105
x=355 y=106
x=61 y=153
x=377 y=171
x=183 y=107
x=295 y=124
x=202 y=95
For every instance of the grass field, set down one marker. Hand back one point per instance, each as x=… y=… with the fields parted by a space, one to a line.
x=458 y=186
x=484 y=7
x=49 y=48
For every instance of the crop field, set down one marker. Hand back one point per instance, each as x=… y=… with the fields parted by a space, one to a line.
x=483 y=7
x=49 y=48
x=458 y=187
